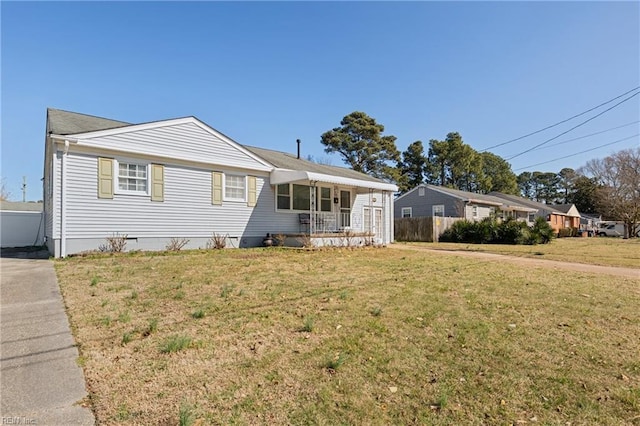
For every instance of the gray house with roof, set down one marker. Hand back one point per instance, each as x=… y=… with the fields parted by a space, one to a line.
x=180 y=178
x=432 y=200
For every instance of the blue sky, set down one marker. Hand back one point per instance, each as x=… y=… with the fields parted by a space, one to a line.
x=268 y=73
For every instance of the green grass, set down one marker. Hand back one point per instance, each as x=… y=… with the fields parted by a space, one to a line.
x=198 y=314
x=175 y=343
x=460 y=341
x=186 y=415
x=308 y=325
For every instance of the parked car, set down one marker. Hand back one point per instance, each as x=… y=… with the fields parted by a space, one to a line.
x=611 y=229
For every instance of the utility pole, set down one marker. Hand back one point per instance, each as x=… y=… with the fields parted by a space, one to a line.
x=24 y=189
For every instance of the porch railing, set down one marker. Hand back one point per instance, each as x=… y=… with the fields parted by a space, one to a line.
x=336 y=222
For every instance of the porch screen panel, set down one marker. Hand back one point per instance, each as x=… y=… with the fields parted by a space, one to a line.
x=284 y=197
x=301 y=197
x=325 y=199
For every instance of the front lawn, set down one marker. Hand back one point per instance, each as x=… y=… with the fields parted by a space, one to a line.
x=367 y=336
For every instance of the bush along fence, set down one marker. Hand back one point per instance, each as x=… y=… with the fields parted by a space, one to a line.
x=493 y=231
x=490 y=230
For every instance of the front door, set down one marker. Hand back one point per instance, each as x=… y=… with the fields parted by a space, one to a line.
x=345 y=209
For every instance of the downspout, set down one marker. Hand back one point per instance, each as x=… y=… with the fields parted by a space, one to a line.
x=63 y=201
x=371 y=215
x=388 y=215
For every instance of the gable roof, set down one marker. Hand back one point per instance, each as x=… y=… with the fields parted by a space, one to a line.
x=473 y=197
x=284 y=160
x=568 y=209
x=527 y=202
x=62 y=122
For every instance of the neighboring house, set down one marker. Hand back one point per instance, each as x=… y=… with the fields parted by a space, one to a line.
x=431 y=200
x=180 y=178
x=20 y=224
x=560 y=216
x=589 y=223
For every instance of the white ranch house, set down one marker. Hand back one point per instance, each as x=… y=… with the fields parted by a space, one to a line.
x=180 y=178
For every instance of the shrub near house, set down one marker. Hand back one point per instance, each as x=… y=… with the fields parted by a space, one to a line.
x=491 y=231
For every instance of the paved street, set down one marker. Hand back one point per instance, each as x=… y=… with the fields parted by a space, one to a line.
x=40 y=381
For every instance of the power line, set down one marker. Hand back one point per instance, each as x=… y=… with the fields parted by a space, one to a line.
x=589 y=135
x=578 y=153
x=573 y=128
x=560 y=122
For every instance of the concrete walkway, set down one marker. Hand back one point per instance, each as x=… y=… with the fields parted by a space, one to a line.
x=40 y=380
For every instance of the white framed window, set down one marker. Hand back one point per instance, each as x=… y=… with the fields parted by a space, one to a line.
x=283 y=201
x=532 y=217
x=438 y=210
x=301 y=197
x=325 y=199
x=235 y=187
x=291 y=196
x=132 y=177
x=474 y=212
x=406 y=212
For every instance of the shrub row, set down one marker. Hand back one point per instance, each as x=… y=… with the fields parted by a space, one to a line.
x=492 y=231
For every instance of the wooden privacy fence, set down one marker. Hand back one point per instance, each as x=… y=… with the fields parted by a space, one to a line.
x=426 y=229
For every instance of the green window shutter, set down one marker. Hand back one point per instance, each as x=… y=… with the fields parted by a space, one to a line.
x=252 y=198
x=105 y=177
x=157 y=182
x=216 y=188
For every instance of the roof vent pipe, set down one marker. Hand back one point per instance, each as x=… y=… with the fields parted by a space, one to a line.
x=298 y=142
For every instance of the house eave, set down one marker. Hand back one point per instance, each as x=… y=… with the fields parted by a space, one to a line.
x=280 y=176
x=163 y=123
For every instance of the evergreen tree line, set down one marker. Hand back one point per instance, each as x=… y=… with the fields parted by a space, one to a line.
x=455 y=164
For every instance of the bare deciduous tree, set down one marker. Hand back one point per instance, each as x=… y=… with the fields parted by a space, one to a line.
x=4 y=192
x=618 y=196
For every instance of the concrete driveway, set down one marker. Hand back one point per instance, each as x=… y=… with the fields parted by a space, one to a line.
x=40 y=380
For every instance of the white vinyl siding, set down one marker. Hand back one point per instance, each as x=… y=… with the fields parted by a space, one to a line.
x=186 y=141
x=186 y=211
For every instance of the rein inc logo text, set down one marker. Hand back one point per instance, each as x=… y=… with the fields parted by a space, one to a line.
x=18 y=420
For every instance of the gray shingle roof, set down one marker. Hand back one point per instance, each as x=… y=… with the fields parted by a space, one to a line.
x=526 y=202
x=474 y=196
x=283 y=160
x=564 y=208
x=61 y=122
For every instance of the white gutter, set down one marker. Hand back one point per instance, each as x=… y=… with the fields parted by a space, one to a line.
x=63 y=201
x=279 y=176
